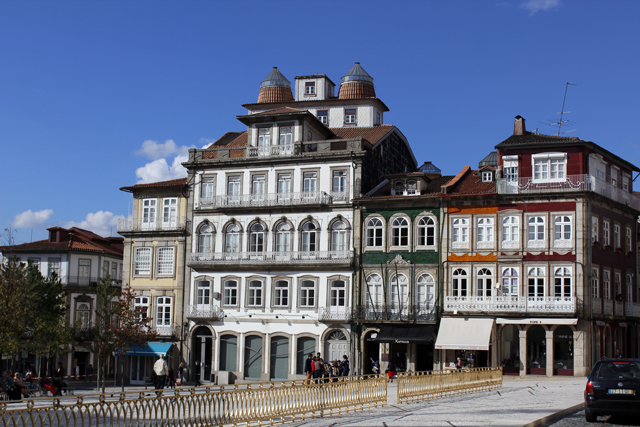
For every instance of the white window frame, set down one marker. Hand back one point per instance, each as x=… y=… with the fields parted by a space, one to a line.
x=375 y=233
x=149 y=218
x=460 y=282
x=425 y=295
x=510 y=167
x=323 y=116
x=628 y=239
x=281 y=293
x=536 y=228
x=230 y=289
x=595 y=283
x=310 y=88
x=460 y=232
x=617 y=240
x=169 y=212
x=374 y=295
x=257 y=237
x=426 y=232
x=338 y=293
x=562 y=282
x=563 y=231
x=339 y=236
x=617 y=283
x=484 y=282
x=485 y=232
x=510 y=284
x=309 y=237
x=264 y=138
x=205 y=238
x=606 y=284
x=606 y=236
x=255 y=293
x=307 y=293
x=536 y=282
x=232 y=238
x=203 y=293
x=350 y=116
x=142 y=261
x=163 y=311
x=487 y=176
x=142 y=302
x=400 y=226
x=549 y=167
x=207 y=187
x=83 y=314
x=166 y=260
x=595 y=221
x=53 y=266
x=399 y=292
x=510 y=233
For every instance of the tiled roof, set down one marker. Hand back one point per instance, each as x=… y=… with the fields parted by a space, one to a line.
x=77 y=239
x=470 y=184
x=371 y=134
x=162 y=184
x=239 y=140
x=433 y=189
x=227 y=138
x=281 y=110
x=530 y=138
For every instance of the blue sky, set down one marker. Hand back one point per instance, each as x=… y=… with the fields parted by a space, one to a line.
x=96 y=95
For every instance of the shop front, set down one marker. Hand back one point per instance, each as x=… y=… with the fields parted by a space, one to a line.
x=141 y=359
x=467 y=339
x=409 y=347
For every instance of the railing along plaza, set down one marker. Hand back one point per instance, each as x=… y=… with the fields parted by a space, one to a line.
x=253 y=404
x=431 y=384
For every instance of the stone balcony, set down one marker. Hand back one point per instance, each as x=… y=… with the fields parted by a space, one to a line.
x=571 y=183
x=309 y=198
x=511 y=304
x=262 y=259
x=204 y=312
x=129 y=225
x=163 y=330
x=395 y=312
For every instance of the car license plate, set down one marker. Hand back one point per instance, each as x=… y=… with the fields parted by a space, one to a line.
x=621 y=391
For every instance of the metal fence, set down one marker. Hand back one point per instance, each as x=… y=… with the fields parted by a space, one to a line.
x=253 y=404
x=431 y=384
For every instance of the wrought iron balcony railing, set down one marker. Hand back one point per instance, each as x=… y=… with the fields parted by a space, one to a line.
x=335 y=314
x=163 y=330
x=395 y=312
x=273 y=199
x=510 y=304
x=136 y=225
x=205 y=312
x=269 y=258
x=571 y=183
x=608 y=307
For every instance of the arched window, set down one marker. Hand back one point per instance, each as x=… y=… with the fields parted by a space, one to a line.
x=562 y=282
x=400 y=232
x=374 y=233
x=338 y=236
x=338 y=293
x=459 y=283
x=373 y=294
x=83 y=314
x=412 y=187
x=426 y=292
x=283 y=237
x=307 y=293
x=426 y=231
x=203 y=293
x=230 y=292
x=309 y=237
x=399 y=292
x=509 y=282
x=256 y=238
x=399 y=188
x=484 y=281
x=205 y=239
x=232 y=238
x=536 y=282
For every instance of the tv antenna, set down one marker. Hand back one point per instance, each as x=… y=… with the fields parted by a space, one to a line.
x=560 y=122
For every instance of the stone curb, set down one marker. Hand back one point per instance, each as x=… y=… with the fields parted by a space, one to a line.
x=553 y=417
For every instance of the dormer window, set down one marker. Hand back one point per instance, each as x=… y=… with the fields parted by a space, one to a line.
x=323 y=116
x=350 y=115
x=412 y=187
x=264 y=137
x=377 y=118
x=399 y=188
x=310 y=88
x=487 y=176
x=53 y=236
x=549 y=167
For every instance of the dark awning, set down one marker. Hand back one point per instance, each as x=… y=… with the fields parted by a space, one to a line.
x=421 y=334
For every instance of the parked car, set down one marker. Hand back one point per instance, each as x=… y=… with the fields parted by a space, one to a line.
x=613 y=387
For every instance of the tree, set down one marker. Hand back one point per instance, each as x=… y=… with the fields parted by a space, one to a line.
x=119 y=323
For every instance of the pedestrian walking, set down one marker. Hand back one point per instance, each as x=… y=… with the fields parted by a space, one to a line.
x=391 y=371
x=180 y=380
x=344 y=366
x=161 y=369
x=318 y=368
x=197 y=374
x=308 y=367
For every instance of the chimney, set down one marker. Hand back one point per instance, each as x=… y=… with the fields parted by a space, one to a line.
x=518 y=127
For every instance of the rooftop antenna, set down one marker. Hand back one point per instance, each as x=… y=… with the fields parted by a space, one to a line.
x=560 y=122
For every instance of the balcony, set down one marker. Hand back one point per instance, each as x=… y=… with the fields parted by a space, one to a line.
x=596 y=306
x=395 y=312
x=511 y=304
x=632 y=309
x=86 y=281
x=249 y=259
x=572 y=183
x=204 y=312
x=83 y=334
x=130 y=225
x=335 y=314
x=272 y=200
x=608 y=307
x=163 y=330
x=618 y=308
x=285 y=150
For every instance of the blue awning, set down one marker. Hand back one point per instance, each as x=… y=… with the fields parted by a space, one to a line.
x=152 y=349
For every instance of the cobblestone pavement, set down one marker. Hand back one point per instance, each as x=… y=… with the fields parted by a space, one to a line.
x=577 y=420
x=517 y=403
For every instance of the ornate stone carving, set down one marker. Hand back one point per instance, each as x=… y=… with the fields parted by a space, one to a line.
x=399 y=260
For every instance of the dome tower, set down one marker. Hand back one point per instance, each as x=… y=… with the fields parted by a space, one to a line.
x=357 y=83
x=275 y=88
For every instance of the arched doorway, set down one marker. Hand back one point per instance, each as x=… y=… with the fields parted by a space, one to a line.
x=337 y=346
x=563 y=351
x=536 y=351
x=279 y=358
x=510 y=350
x=201 y=354
x=253 y=357
x=607 y=342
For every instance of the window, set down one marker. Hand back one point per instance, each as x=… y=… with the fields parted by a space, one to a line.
x=105 y=268
x=84 y=270
x=349 y=115
x=510 y=166
x=53 y=266
x=310 y=88
x=614 y=176
x=284 y=185
x=163 y=311
x=258 y=187
x=617 y=281
x=536 y=282
x=205 y=239
x=286 y=136
x=399 y=292
x=606 y=284
x=141 y=307
x=83 y=314
x=149 y=213
x=487 y=176
x=625 y=183
x=605 y=233
x=510 y=283
x=281 y=294
x=594 y=229
x=309 y=237
x=549 y=167
x=426 y=231
x=374 y=233
x=562 y=231
x=323 y=116
x=595 y=285
x=264 y=137
x=484 y=281
x=535 y=231
x=510 y=232
x=307 y=293
x=339 y=184
x=562 y=282
x=629 y=287
x=426 y=292
x=377 y=118
x=232 y=238
x=203 y=293
x=230 y=292
x=114 y=270
x=256 y=238
x=400 y=232
x=338 y=293
x=460 y=233
x=459 y=283
x=398 y=188
x=309 y=184
x=373 y=294
x=412 y=187
x=206 y=191
x=170 y=212
x=616 y=236
x=165 y=261
x=53 y=236
x=485 y=231
x=283 y=237
x=255 y=293
x=338 y=236
x=233 y=189
x=628 y=239
x=142 y=262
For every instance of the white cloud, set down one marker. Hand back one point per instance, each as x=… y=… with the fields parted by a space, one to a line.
x=29 y=219
x=159 y=170
x=206 y=142
x=103 y=223
x=154 y=150
x=534 y=6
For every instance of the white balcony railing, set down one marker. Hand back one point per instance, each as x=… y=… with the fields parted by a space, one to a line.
x=335 y=314
x=209 y=312
x=264 y=258
x=608 y=307
x=276 y=199
x=510 y=304
x=283 y=150
x=163 y=330
x=582 y=182
x=129 y=224
x=618 y=308
x=596 y=305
